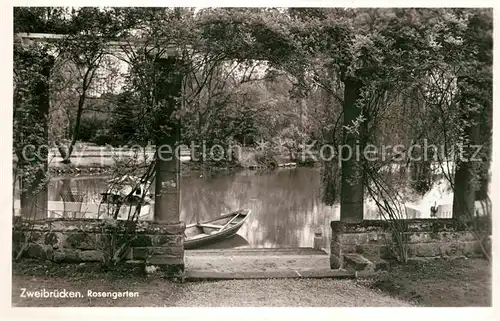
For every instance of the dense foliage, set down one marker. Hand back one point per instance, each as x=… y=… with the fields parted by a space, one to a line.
x=288 y=76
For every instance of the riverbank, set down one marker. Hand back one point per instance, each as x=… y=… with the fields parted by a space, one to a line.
x=86 y=167
x=91 y=160
x=186 y=169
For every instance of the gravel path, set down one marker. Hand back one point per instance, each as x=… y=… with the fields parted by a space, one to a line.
x=285 y=293
x=233 y=293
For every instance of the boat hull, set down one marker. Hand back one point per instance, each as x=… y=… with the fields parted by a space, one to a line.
x=202 y=239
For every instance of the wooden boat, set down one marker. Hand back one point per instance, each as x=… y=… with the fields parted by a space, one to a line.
x=198 y=234
x=232 y=242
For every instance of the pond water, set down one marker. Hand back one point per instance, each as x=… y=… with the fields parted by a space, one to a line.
x=286 y=204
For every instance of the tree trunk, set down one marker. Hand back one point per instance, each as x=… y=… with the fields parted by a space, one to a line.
x=62 y=152
x=66 y=154
x=464 y=196
x=352 y=177
x=484 y=173
x=167 y=167
x=484 y=180
x=465 y=173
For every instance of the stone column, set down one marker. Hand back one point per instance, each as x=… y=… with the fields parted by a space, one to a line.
x=167 y=178
x=31 y=139
x=352 y=185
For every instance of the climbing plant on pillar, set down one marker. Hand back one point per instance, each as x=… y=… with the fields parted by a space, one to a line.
x=350 y=44
x=32 y=66
x=168 y=92
x=155 y=87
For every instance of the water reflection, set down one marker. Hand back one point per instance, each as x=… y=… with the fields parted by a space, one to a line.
x=285 y=204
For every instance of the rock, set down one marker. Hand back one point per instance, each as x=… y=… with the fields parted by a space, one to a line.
x=380 y=264
x=35 y=251
x=91 y=256
x=358 y=262
x=417 y=260
x=81 y=241
x=141 y=241
x=336 y=262
x=51 y=239
x=151 y=269
x=66 y=255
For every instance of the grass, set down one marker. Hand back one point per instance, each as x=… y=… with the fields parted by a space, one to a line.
x=441 y=283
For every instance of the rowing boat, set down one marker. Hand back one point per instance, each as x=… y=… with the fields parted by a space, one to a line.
x=227 y=225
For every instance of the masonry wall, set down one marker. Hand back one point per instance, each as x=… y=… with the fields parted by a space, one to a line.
x=425 y=238
x=88 y=240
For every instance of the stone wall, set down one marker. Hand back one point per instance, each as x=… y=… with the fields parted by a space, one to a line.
x=425 y=238
x=88 y=240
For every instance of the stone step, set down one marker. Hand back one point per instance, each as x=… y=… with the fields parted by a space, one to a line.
x=240 y=263
x=315 y=273
x=256 y=252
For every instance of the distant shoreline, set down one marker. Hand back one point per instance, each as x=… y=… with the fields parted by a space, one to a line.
x=97 y=160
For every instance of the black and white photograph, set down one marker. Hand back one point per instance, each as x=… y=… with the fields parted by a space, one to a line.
x=167 y=156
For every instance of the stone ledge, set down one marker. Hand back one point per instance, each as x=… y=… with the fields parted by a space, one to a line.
x=413 y=225
x=216 y=275
x=86 y=240
x=425 y=238
x=98 y=226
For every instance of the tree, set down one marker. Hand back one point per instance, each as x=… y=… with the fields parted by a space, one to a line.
x=124 y=123
x=373 y=52
x=474 y=83
x=86 y=47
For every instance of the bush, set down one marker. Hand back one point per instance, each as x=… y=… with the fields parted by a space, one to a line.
x=266 y=158
x=89 y=129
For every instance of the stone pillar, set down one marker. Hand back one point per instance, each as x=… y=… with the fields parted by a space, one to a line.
x=352 y=184
x=167 y=178
x=31 y=136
